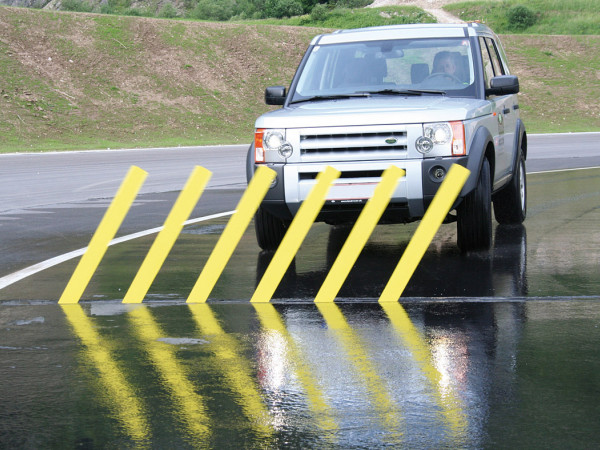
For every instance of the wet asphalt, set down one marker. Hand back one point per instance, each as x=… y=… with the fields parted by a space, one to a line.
x=486 y=349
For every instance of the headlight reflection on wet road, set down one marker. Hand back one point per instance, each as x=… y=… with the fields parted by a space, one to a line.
x=279 y=392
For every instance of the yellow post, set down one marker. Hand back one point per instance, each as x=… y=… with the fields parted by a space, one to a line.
x=168 y=235
x=105 y=232
x=295 y=235
x=435 y=215
x=232 y=234
x=368 y=219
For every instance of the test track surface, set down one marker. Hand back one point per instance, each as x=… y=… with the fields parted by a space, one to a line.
x=547 y=153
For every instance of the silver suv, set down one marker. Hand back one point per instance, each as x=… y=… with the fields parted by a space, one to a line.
x=421 y=97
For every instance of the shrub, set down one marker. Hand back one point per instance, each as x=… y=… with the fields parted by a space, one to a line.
x=76 y=6
x=134 y=12
x=214 y=10
x=168 y=11
x=520 y=17
x=353 y=3
x=283 y=8
x=319 y=13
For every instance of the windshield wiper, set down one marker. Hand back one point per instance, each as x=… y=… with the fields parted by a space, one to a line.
x=404 y=92
x=331 y=97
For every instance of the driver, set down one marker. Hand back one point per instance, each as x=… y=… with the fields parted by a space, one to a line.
x=444 y=63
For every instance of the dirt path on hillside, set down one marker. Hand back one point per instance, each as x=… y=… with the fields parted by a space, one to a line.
x=433 y=7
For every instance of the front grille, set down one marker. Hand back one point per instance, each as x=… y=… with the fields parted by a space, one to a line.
x=313 y=144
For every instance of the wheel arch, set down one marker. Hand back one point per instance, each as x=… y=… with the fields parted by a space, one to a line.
x=482 y=147
x=250 y=163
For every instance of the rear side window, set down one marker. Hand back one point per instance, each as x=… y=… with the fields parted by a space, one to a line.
x=496 y=62
x=492 y=64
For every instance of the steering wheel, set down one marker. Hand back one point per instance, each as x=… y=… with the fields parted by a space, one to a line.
x=445 y=75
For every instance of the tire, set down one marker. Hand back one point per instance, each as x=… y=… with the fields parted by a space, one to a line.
x=269 y=229
x=510 y=204
x=474 y=214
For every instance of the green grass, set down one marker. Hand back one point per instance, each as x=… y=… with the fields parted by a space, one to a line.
x=122 y=82
x=559 y=81
x=569 y=17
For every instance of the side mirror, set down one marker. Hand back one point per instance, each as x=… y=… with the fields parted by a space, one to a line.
x=503 y=85
x=275 y=95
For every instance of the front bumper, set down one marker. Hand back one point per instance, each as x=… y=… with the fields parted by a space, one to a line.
x=356 y=185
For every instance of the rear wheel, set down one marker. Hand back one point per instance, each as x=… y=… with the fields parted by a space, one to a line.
x=510 y=204
x=474 y=214
x=269 y=229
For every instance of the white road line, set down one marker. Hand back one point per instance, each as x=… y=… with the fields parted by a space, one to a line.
x=32 y=270
x=563 y=170
x=36 y=268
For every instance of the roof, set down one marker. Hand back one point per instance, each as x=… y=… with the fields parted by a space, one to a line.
x=429 y=30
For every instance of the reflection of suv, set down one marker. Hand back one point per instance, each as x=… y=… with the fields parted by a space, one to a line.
x=421 y=97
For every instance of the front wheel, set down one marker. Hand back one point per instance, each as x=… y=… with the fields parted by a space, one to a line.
x=510 y=204
x=474 y=214
x=269 y=229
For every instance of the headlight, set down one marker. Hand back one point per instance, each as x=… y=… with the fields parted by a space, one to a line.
x=439 y=133
x=273 y=140
x=448 y=138
x=268 y=143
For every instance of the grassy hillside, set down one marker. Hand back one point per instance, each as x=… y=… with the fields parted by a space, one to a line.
x=92 y=81
x=574 y=17
x=79 y=81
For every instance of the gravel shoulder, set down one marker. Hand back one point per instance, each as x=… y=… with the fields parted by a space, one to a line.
x=433 y=7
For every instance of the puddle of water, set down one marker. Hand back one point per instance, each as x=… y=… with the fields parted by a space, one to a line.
x=236 y=375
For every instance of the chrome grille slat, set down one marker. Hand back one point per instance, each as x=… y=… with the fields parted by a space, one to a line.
x=353 y=142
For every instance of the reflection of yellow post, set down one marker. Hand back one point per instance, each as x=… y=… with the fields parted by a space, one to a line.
x=189 y=403
x=114 y=216
x=294 y=236
x=368 y=219
x=271 y=321
x=128 y=407
x=453 y=414
x=232 y=234
x=236 y=369
x=432 y=220
x=165 y=240
x=358 y=356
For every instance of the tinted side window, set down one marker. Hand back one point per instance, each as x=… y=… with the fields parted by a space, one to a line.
x=498 y=68
x=488 y=68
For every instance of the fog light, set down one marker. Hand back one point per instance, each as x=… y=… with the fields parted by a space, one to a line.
x=286 y=150
x=424 y=144
x=438 y=173
x=273 y=183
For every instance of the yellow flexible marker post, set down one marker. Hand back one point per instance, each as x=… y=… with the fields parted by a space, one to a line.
x=109 y=225
x=168 y=235
x=432 y=220
x=295 y=235
x=232 y=234
x=368 y=219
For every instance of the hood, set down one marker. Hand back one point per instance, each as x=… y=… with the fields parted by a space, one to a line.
x=375 y=110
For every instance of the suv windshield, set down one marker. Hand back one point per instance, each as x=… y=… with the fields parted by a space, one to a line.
x=401 y=67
